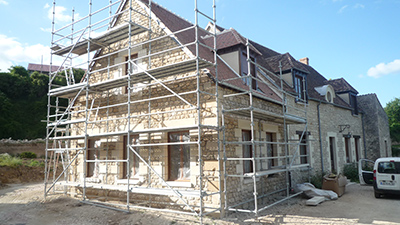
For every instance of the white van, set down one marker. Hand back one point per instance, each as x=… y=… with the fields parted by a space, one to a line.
x=385 y=175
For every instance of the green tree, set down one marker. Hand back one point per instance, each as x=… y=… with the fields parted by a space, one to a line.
x=39 y=84
x=392 y=109
x=23 y=102
x=19 y=71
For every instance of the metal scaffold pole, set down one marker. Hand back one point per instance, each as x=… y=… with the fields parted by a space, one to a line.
x=101 y=118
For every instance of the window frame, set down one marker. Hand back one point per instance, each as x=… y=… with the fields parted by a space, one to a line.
x=299 y=86
x=347 y=148
x=91 y=151
x=271 y=150
x=244 y=69
x=303 y=146
x=180 y=176
x=135 y=162
x=353 y=103
x=247 y=148
x=332 y=153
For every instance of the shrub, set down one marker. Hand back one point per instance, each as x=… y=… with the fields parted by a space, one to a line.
x=317 y=179
x=350 y=170
x=33 y=163
x=28 y=155
x=7 y=160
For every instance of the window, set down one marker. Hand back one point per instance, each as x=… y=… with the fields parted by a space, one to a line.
x=245 y=71
x=92 y=153
x=299 y=87
x=271 y=150
x=303 y=150
x=347 y=148
x=247 y=152
x=332 y=150
x=353 y=103
x=329 y=97
x=133 y=158
x=357 y=146
x=179 y=156
x=389 y=167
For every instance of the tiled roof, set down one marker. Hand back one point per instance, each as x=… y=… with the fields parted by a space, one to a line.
x=42 y=68
x=220 y=28
x=341 y=85
x=315 y=79
x=229 y=38
x=266 y=58
x=175 y=23
x=287 y=62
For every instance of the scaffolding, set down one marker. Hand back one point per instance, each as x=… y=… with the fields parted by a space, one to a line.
x=129 y=91
x=260 y=149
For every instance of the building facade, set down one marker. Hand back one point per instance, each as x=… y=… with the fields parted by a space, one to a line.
x=175 y=117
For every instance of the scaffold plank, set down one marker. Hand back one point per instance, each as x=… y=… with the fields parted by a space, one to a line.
x=139 y=77
x=113 y=35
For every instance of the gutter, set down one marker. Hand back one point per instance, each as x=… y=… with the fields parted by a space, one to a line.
x=320 y=137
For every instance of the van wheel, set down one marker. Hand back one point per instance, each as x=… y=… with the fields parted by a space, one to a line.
x=377 y=195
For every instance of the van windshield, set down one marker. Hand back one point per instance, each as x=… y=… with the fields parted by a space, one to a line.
x=389 y=167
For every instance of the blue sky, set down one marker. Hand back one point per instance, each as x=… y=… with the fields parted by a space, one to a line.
x=357 y=40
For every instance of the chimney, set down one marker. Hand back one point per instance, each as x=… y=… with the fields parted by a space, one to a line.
x=305 y=60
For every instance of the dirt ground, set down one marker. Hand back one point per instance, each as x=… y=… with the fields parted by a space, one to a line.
x=24 y=204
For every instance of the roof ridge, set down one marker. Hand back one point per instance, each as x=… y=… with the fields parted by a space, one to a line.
x=161 y=6
x=236 y=34
x=222 y=32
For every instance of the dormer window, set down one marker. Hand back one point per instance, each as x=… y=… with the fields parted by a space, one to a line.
x=326 y=92
x=329 y=97
x=245 y=71
x=299 y=83
x=353 y=103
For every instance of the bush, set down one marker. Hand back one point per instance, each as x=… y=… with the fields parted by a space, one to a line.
x=7 y=160
x=35 y=163
x=317 y=179
x=28 y=155
x=350 y=170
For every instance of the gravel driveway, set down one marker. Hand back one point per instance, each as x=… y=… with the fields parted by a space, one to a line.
x=23 y=204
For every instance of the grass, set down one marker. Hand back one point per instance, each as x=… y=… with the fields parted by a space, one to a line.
x=7 y=160
x=12 y=161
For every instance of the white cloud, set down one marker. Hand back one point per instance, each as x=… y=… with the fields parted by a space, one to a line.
x=343 y=8
x=48 y=30
x=359 y=6
x=3 y=2
x=13 y=52
x=46 y=6
x=384 y=69
x=60 y=14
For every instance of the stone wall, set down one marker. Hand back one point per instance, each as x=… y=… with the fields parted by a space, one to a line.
x=331 y=116
x=110 y=114
x=376 y=125
x=14 y=147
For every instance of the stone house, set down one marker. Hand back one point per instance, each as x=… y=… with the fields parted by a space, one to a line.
x=376 y=125
x=174 y=117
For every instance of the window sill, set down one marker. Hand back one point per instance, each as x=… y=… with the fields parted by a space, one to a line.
x=249 y=179
x=186 y=184
x=131 y=181
x=93 y=180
